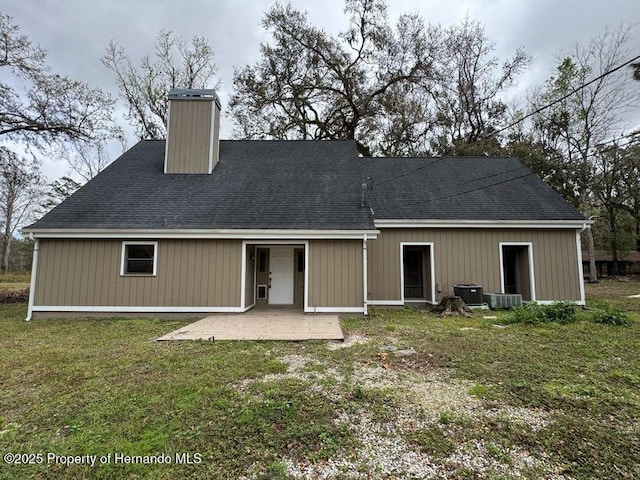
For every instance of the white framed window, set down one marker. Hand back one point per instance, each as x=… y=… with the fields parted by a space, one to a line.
x=139 y=258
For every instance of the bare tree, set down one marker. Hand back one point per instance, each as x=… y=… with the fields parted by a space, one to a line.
x=176 y=63
x=587 y=117
x=470 y=91
x=20 y=191
x=87 y=159
x=36 y=104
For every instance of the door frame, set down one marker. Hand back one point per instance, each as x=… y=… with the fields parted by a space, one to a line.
x=432 y=271
x=266 y=244
x=532 y=276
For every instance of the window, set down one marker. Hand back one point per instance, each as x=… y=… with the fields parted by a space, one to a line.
x=139 y=258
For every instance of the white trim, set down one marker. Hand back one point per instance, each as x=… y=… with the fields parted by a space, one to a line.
x=306 y=276
x=365 y=279
x=532 y=276
x=34 y=273
x=305 y=244
x=245 y=234
x=433 y=277
x=334 y=310
x=550 y=302
x=385 y=302
x=243 y=274
x=211 y=136
x=123 y=259
x=580 y=268
x=166 y=143
x=246 y=309
x=410 y=223
x=127 y=309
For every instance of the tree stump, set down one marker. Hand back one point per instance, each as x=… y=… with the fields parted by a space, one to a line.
x=452 y=306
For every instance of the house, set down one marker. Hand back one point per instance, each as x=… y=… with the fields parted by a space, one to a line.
x=628 y=263
x=196 y=225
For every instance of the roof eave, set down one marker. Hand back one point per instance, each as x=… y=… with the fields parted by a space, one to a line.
x=470 y=223
x=245 y=234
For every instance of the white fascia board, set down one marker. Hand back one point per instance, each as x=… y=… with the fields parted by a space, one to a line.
x=482 y=223
x=257 y=234
x=334 y=310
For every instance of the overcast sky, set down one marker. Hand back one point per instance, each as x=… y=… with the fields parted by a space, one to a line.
x=76 y=32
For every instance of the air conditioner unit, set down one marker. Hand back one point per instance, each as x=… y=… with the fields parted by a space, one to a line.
x=470 y=293
x=502 y=300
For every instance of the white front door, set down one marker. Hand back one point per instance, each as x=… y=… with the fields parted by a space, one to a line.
x=281 y=276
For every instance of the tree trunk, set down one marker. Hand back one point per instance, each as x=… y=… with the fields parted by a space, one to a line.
x=593 y=274
x=452 y=306
x=6 y=252
x=613 y=231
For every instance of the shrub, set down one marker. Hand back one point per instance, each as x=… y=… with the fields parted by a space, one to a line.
x=561 y=312
x=14 y=296
x=532 y=313
x=611 y=316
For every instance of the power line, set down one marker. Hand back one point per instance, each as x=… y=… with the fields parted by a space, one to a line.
x=501 y=182
x=538 y=110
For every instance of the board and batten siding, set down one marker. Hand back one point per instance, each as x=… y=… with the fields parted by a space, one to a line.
x=249 y=290
x=473 y=256
x=190 y=273
x=335 y=273
x=189 y=139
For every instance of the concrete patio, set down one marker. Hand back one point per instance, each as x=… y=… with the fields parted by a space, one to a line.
x=262 y=324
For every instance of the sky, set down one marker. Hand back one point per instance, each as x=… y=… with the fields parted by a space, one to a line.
x=76 y=32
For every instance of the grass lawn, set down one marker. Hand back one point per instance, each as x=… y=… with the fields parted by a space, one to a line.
x=475 y=401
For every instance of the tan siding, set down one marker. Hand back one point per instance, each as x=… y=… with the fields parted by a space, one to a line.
x=335 y=273
x=189 y=273
x=189 y=136
x=472 y=256
x=249 y=290
x=216 y=137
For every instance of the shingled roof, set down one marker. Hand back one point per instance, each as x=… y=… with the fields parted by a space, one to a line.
x=271 y=184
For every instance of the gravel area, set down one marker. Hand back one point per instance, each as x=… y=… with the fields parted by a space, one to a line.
x=381 y=449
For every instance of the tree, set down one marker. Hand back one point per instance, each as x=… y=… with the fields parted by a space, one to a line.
x=20 y=191
x=312 y=85
x=176 y=63
x=588 y=115
x=36 y=104
x=469 y=91
x=58 y=191
x=86 y=159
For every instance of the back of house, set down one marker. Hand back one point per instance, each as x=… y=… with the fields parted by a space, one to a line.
x=195 y=224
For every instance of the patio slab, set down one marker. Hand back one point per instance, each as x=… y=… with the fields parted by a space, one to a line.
x=261 y=325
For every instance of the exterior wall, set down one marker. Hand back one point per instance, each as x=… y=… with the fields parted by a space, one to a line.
x=335 y=273
x=249 y=290
x=189 y=273
x=189 y=139
x=473 y=256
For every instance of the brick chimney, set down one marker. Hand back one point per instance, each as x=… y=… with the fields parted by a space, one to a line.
x=193 y=131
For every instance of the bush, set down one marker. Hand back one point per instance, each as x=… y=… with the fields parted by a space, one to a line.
x=611 y=316
x=561 y=312
x=532 y=313
x=14 y=296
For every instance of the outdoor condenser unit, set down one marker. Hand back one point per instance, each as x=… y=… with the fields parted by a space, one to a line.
x=471 y=294
x=502 y=300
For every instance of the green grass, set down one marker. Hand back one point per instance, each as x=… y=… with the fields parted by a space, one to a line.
x=614 y=293
x=99 y=386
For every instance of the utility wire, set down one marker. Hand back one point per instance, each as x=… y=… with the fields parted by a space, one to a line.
x=530 y=114
x=501 y=182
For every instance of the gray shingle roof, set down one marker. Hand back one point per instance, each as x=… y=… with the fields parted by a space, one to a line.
x=270 y=184
x=463 y=188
